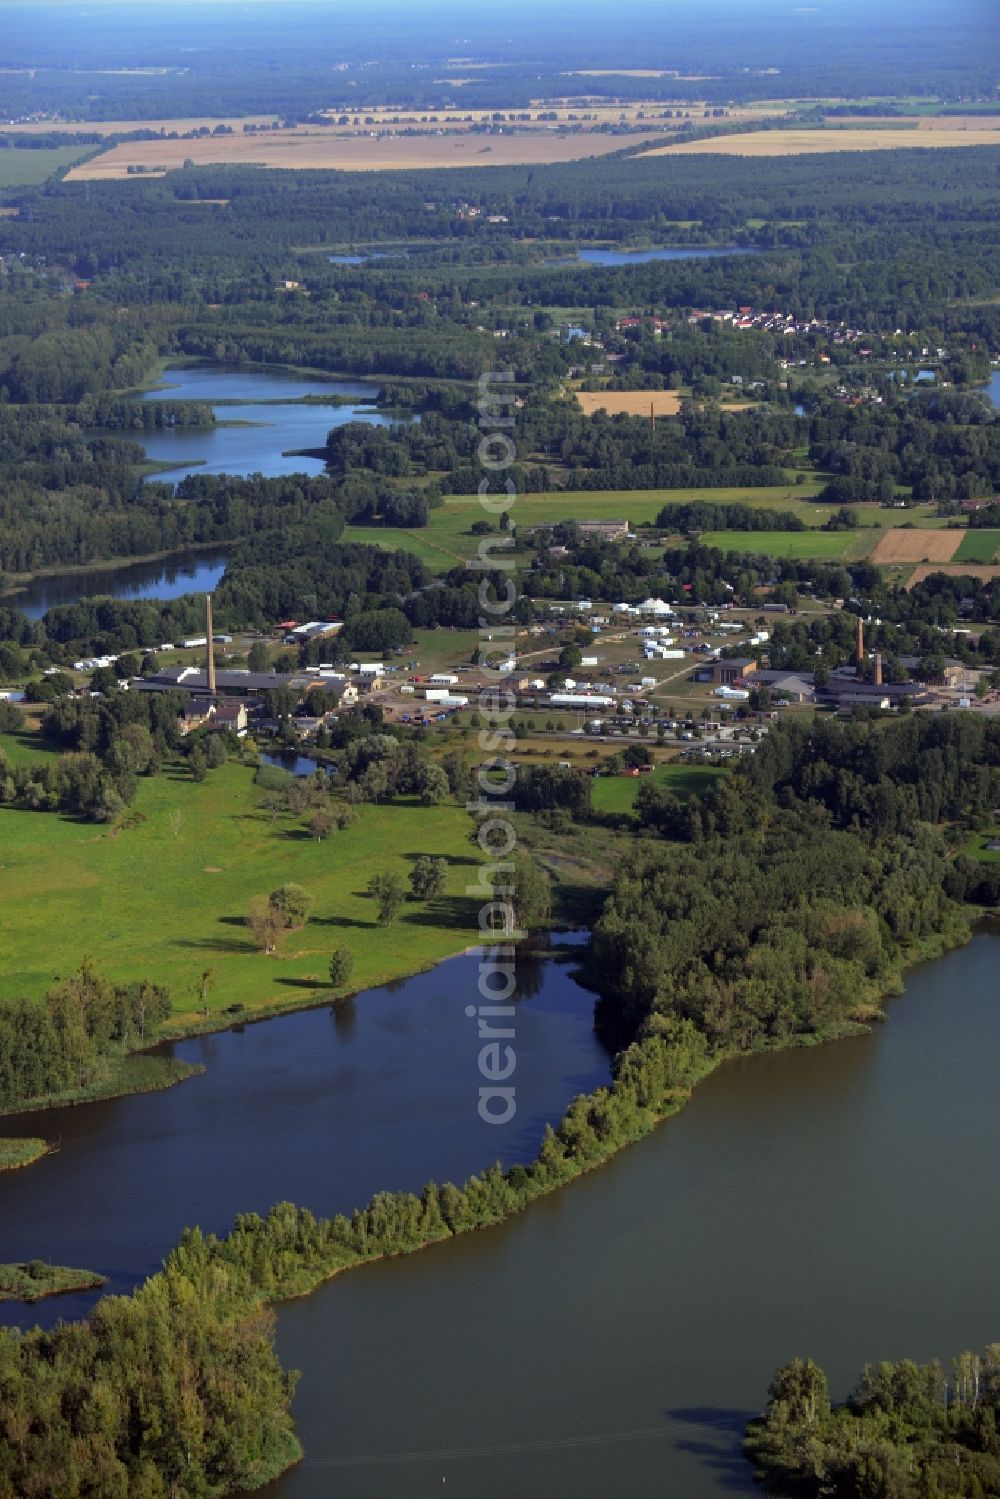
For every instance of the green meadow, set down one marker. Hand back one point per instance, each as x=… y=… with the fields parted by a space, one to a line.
x=446 y=541
x=164 y=896
x=978 y=546
x=26 y=166
x=827 y=546
x=618 y=793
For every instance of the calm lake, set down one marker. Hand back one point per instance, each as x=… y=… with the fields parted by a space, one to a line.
x=666 y=252
x=842 y=1202
x=237 y=393
x=323 y=1108
x=277 y=430
x=994 y=389
x=188 y=572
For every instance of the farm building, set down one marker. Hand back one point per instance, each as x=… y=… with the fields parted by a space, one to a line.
x=603 y=530
x=733 y=669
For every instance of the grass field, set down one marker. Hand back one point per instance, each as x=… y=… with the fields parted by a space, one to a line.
x=618 y=793
x=827 y=546
x=978 y=546
x=165 y=898
x=319 y=149
x=446 y=541
x=25 y=168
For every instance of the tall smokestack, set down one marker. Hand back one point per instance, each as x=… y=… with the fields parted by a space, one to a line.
x=878 y=669
x=209 y=646
x=861 y=642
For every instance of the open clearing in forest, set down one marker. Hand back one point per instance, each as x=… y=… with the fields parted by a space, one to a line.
x=823 y=139
x=954 y=570
x=901 y=545
x=631 y=402
x=328 y=150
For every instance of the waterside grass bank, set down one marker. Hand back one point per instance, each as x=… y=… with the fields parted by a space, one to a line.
x=16 y=1153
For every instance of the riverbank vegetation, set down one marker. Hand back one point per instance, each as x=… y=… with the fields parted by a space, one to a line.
x=35 y=1280
x=907 y=1431
x=77 y=1043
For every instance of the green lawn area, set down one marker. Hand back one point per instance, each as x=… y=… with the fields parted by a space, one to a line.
x=25 y=746
x=425 y=544
x=976 y=846
x=831 y=546
x=26 y=166
x=165 y=897
x=618 y=793
x=439 y=650
x=978 y=546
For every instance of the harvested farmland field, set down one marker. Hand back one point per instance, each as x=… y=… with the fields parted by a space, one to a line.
x=631 y=402
x=295 y=150
x=123 y=127
x=917 y=546
x=954 y=570
x=826 y=139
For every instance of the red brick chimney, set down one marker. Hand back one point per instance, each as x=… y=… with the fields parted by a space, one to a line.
x=209 y=646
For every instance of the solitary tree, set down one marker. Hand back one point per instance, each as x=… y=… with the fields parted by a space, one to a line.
x=388 y=891
x=320 y=823
x=265 y=923
x=291 y=904
x=427 y=877
x=341 y=966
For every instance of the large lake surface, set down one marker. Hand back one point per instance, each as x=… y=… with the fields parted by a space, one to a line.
x=842 y=1202
x=994 y=388
x=269 y=442
x=322 y=1108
